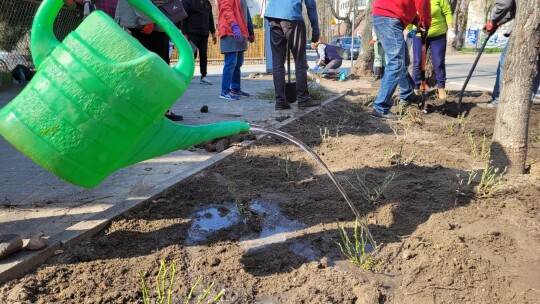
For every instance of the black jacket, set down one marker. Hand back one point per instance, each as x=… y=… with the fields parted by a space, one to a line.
x=504 y=11
x=200 y=20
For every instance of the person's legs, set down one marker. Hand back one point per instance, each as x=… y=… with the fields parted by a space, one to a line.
x=332 y=66
x=228 y=70
x=202 y=45
x=536 y=83
x=295 y=33
x=498 y=79
x=378 y=61
x=390 y=33
x=236 y=77
x=278 y=44
x=438 y=52
x=417 y=61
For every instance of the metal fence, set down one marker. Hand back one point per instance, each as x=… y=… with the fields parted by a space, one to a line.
x=15 y=23
x=256 y=50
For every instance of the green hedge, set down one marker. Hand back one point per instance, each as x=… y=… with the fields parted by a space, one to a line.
x=486 y=51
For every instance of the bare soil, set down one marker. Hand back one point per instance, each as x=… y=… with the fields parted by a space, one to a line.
x=439 y=242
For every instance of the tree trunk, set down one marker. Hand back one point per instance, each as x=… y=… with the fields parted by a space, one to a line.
x=509 y=144
x=460 y=22
x=364 y=63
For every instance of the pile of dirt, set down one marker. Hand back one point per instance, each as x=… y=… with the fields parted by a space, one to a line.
x=262 y=223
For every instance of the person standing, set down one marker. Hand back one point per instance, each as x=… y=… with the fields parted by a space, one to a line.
x=389 y=20
x=504 y=11
x=329 y=58
x=288 y=32
x=108 y=6
x=235 y=30
x=439 y=32
x=196 y=27
x=142 y=28
x=378 y=61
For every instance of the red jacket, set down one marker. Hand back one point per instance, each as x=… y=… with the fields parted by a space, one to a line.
x=230 y=11
x=405 y=10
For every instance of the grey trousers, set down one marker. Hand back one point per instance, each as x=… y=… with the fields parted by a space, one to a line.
x=332 y=66
x=293 y=34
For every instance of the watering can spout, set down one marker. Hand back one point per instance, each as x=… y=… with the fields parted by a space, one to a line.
x=167 y=136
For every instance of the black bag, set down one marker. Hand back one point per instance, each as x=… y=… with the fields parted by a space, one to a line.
x=22 y=73
x=174 y=11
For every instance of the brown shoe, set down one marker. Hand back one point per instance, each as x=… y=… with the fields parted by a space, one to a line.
x=442 y=94
x=282 y=105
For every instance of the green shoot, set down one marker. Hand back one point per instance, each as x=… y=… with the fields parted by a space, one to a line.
x=243 y=208
x=288 y=168
x=372 y=195
x=490 y=180
x=356 y=251
x=164 y=283
x=326 y=139
x=399 y=158
x=481 y=152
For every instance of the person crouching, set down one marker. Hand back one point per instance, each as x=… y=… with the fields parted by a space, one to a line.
x=328 y=58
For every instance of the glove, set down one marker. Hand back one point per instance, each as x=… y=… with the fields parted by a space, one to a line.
x=237 y=32
x=451 y=34
x=214 y=39
x=372 y=42
x=489 y=28
x=147 y=29
x=251 y=39
x=315 y=34
x=316 y=67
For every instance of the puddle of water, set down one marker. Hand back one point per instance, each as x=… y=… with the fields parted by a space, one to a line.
x=208 y=221
x=276 y=228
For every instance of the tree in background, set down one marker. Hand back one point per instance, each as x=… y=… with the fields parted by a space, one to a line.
x=347 y=14
x=257 y=21
x=364 y=64
x=510 y=137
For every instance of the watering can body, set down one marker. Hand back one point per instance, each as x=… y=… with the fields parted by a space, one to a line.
x=97 y=101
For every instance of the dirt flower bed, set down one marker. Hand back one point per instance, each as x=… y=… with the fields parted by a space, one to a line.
x=262 y=224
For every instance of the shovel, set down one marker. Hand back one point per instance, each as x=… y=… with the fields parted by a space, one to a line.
x=472 y=70
x=290 y=87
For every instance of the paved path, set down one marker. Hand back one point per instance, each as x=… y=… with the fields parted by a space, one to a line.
x=38 y=203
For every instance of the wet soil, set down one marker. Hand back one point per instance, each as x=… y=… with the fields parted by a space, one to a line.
x=262 y=223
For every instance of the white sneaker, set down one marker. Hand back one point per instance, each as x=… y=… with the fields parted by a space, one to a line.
x=205 y=80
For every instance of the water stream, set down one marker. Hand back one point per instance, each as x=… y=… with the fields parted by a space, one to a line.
x=266 y=130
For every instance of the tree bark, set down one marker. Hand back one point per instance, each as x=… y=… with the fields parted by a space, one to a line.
x=460 y=22
x=364 y=63
x=509 y=143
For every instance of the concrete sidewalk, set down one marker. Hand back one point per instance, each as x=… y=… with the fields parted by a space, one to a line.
x=36 y=202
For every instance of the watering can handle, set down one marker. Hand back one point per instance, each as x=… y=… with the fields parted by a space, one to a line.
x=43 y=41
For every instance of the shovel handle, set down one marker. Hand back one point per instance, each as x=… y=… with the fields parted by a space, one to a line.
x=472 y=70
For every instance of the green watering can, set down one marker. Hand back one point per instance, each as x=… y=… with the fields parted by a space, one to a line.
x=97 y=101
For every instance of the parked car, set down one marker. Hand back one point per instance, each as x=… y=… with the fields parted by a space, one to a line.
x=344 y=46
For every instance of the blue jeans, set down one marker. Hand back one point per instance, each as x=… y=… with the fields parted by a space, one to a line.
x=390 y=33
x=498 y=80
x=230 y=80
